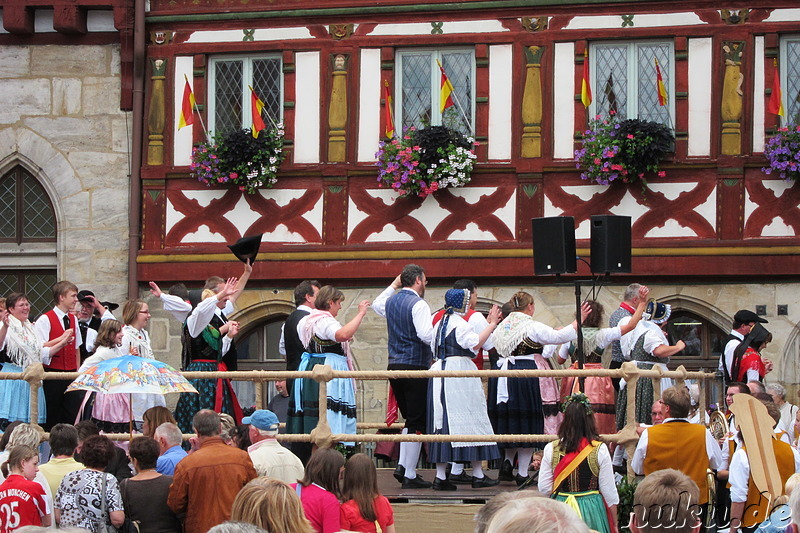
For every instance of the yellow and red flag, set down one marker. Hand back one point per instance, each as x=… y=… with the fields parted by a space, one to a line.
x=663 y=98
x=256 y=105
x=389 y=113
x=187 y=105
x=775 y=104
x=445 y=92
x=586 y=87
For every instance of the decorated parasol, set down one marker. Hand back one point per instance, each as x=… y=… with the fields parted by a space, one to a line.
x=130 y=374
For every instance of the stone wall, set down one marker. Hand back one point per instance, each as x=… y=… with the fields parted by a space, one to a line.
x=554 y=307
x=61 y=120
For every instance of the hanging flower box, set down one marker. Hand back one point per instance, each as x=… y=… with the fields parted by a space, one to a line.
x=237 y=158
x=783 y=153
x=623 y=150
x=426 y=160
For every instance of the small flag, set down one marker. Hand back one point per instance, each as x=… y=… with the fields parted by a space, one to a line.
x=663 y=99
x=775 y=104
x=388 y=110
x=257 y=105
x=586 y=87
x=446 y=91
x=187 y=105
x=611 y=96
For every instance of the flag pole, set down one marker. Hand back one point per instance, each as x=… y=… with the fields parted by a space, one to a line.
x=271 y=121
x=456 y=101
x=199 y=114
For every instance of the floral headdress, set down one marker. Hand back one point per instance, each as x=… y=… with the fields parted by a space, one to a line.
x=578 y=397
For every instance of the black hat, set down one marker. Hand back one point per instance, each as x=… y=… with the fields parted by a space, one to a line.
x=82 y=295
x=745 y=316
x=110 y=305
x=246 y=248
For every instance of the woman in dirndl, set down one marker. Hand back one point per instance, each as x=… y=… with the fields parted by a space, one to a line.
x=516 y=404
x=599 y=389
x=576 y=468
x=327 y=342
x=22 y=347
x=648 y=347
x=457 y=406
x=208 y=347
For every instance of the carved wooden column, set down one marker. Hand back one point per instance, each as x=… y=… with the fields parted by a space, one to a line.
x=732 y=98
x=337 y=111
x=157 y=117
x=532 y=103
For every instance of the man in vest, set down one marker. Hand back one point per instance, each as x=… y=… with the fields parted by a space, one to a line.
x=408 y=319
x=61 y=407
x=749 y=507
x=90 y=315
x=678 y=444
x=626 y=309
x=305 y=296
x=743 y=322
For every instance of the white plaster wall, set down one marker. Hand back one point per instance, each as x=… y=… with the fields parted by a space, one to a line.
x=563 y=100
x=639 y=21
x=699 y=144
x=500 y=69
x=307 y=102
x=261 y=34
x=759 y=112
x=369 y=108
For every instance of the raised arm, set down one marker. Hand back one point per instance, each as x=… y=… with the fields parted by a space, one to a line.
x=637 y=316
x=348 y=330
x=248 y=269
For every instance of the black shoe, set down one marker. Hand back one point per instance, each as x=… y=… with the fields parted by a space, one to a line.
x=506 y=471
x=483 y=482
x=443 y=484
x=399 y=473
x=416 y=483
x=520 y=480
x=527 y=482
x=460 y=479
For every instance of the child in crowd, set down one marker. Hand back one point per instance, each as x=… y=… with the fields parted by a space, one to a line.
x=319 y=490
x=21 y=494
x=364 y=508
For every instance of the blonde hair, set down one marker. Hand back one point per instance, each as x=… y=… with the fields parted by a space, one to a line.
x=272 y=505
x=25 y=435
x=542 y=515
x=131 y=310
x=666 y=501
x=207 y=293
x=520 y=300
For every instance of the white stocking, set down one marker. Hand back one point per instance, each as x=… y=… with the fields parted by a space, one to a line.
x=441 y=471
x=477 y=469
x=524 y=457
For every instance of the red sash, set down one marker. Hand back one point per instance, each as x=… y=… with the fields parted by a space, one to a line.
x=237 y=409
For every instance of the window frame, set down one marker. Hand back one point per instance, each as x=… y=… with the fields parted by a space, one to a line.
x=247 y=79
x=633 y=75
x=19 y=238
x=435 y=82
x=783 y=66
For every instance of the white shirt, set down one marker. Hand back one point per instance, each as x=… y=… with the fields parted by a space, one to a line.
x=605 y=479
x=605 y=336
x=325 y=328
x=273 y=460
x=788 y=415
x=727 y=352
x=43 y=326
x=282 y=343
x=465 y=335
x=478 y=323
x=739 y=475
x=201 y=317
x=713 y=452
x=177 y=306
x=420 y=313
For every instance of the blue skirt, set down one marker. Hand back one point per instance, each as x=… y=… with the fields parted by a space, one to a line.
x=15 y=395
x=523 y=413
x=304 y=406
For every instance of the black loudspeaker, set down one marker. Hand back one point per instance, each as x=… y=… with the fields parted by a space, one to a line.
x=554 y=245
x=611 y=244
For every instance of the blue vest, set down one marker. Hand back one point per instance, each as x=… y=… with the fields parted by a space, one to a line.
x=452 y=348
x=405 y=348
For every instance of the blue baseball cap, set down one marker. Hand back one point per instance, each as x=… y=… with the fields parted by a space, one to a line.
x=262 y=419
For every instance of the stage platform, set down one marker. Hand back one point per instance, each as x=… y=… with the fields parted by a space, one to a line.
x=436 y=511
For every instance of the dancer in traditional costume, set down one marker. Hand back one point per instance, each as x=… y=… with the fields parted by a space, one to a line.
x=747 y=362
x=600 y=389
x=208 y=347
x=457 y=406
x=576 y=468
x=648 y=347
x=22 y=347
x=515 y=404
x=327 y=342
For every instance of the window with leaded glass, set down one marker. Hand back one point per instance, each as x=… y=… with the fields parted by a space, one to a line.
x=624 y=79
x=27 y=211
x=37 y=284
x=230 y=79
x=790 y=74
x=418 y=83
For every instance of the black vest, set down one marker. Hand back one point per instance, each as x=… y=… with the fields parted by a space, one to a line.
x=726 y=374
x=195 y=348
x=291 y=341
